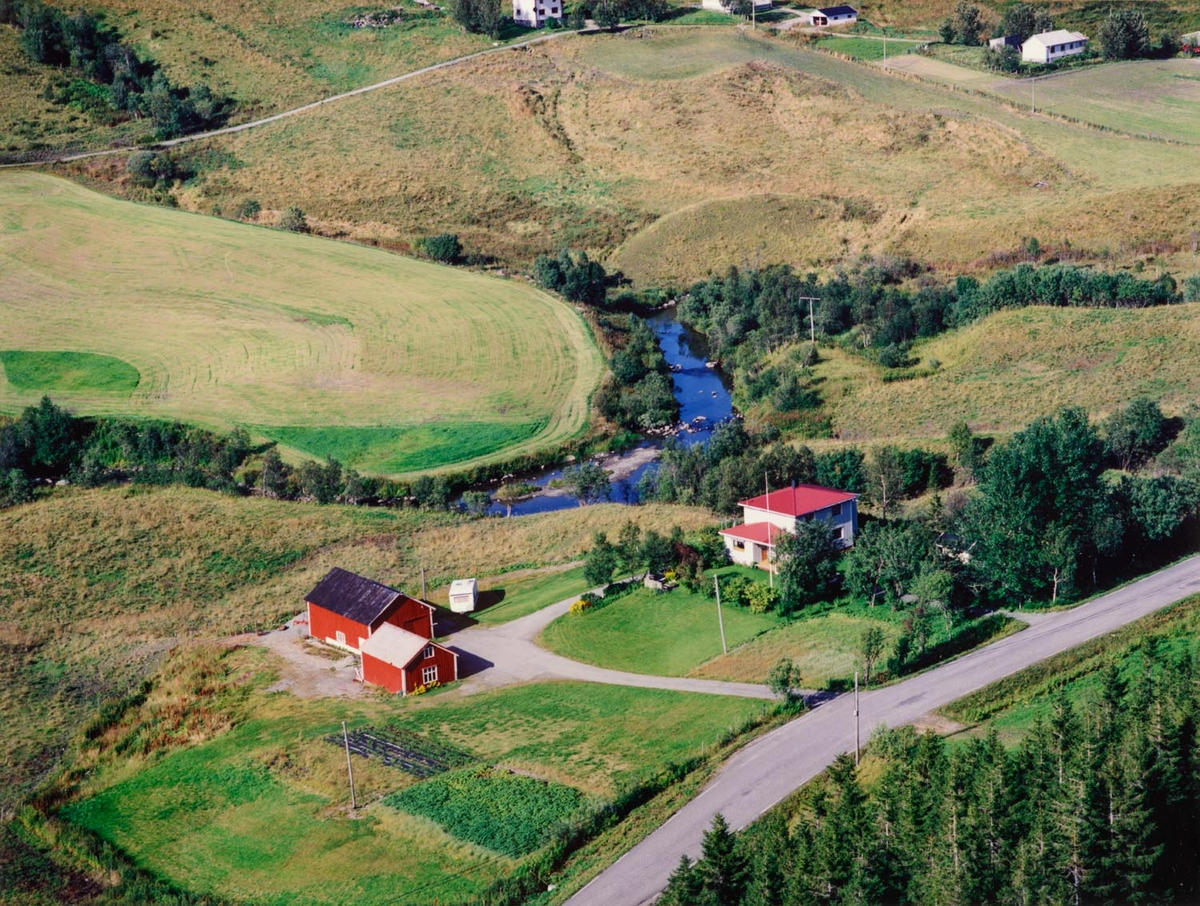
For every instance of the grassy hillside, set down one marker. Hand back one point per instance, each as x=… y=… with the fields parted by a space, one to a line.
x=723 y=147
x=1014 y=366
x=96 y=586
x=390 y=364
x=268 y=56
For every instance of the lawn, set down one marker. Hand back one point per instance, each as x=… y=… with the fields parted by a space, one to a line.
x=259 y=813
x=647 y=632
x=863 y=48
x=824 y=648
x=223 y=330
x=509 y=596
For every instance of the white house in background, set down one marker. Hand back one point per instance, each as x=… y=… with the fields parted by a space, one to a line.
x=722 y=6
x=1053 y=45
x=534 y=13
x=1006 y=41
x=833 y=15
x=753 y=542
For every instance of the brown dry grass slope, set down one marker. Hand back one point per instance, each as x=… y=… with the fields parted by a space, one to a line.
x=1017 y=365
x=735 y=148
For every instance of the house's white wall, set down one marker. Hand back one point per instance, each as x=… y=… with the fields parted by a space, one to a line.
x=534 y=13
x=742 y=556
x=816 y=15
x=846 y=520
x=752 y=514
x=1036 y=52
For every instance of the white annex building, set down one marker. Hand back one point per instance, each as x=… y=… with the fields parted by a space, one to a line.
x=1053 y=45
x=534 y=13
x=833 y=15
x=753 y=542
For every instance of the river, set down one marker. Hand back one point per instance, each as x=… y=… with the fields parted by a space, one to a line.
x=704 y=402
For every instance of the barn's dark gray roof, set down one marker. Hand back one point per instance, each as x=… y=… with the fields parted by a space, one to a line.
x=838 y=11
x=354 y=597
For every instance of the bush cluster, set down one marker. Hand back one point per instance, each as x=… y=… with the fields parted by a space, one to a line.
x=127 y=85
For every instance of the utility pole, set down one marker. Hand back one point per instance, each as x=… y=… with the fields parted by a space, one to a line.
x=1032 y=105
x=812 y=322
x=349 y=768
x=720 y=619
x=856 y=724
x=424 y=597
x=770 y=566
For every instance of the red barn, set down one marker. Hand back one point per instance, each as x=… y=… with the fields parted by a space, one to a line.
x=391 y=631
x=345 y=609
x=401 y=661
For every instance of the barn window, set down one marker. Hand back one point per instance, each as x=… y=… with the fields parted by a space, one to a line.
x=429 y=675
x=428 y=652
x=341 y=637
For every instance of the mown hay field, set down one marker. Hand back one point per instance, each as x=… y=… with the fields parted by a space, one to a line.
x=1146 y=97
x=1000 y=374
x=691 y=149
x=392 y=365
x=129 y=573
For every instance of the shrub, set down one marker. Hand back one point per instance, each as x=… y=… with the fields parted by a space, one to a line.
x=443 y=247
x=247 y=210
x=141 y=167
x=293 y=219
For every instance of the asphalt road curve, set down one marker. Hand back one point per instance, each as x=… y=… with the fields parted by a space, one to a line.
x=767 y=770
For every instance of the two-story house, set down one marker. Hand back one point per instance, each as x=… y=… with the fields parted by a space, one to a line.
x=753 y=542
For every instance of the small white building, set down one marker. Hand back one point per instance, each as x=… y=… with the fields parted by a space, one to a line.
x=534 y=13
x=722 y=6
x=753 y=542
x=1053 y=45
x=833 y=15
x=464 y=595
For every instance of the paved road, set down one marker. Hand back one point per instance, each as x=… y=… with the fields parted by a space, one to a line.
x=512 y=656
x=767 y=770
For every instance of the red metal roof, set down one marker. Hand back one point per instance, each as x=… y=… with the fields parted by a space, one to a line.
x=798 y=500
x=758 y=532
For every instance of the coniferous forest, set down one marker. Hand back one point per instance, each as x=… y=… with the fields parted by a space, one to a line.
x=1097 y=804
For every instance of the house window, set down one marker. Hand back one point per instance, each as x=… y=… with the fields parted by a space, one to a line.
x=835 y=510
x=429 y=675
x=341 y=637
x=428 y=652
x=839 y=532
x=739 y=545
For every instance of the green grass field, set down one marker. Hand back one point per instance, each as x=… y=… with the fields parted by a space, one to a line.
x=1003 y=372
x=391 y=365
x=521 y=593
x=68 y=372
x=260 y=813
x=645 y=632
x=824 y=648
